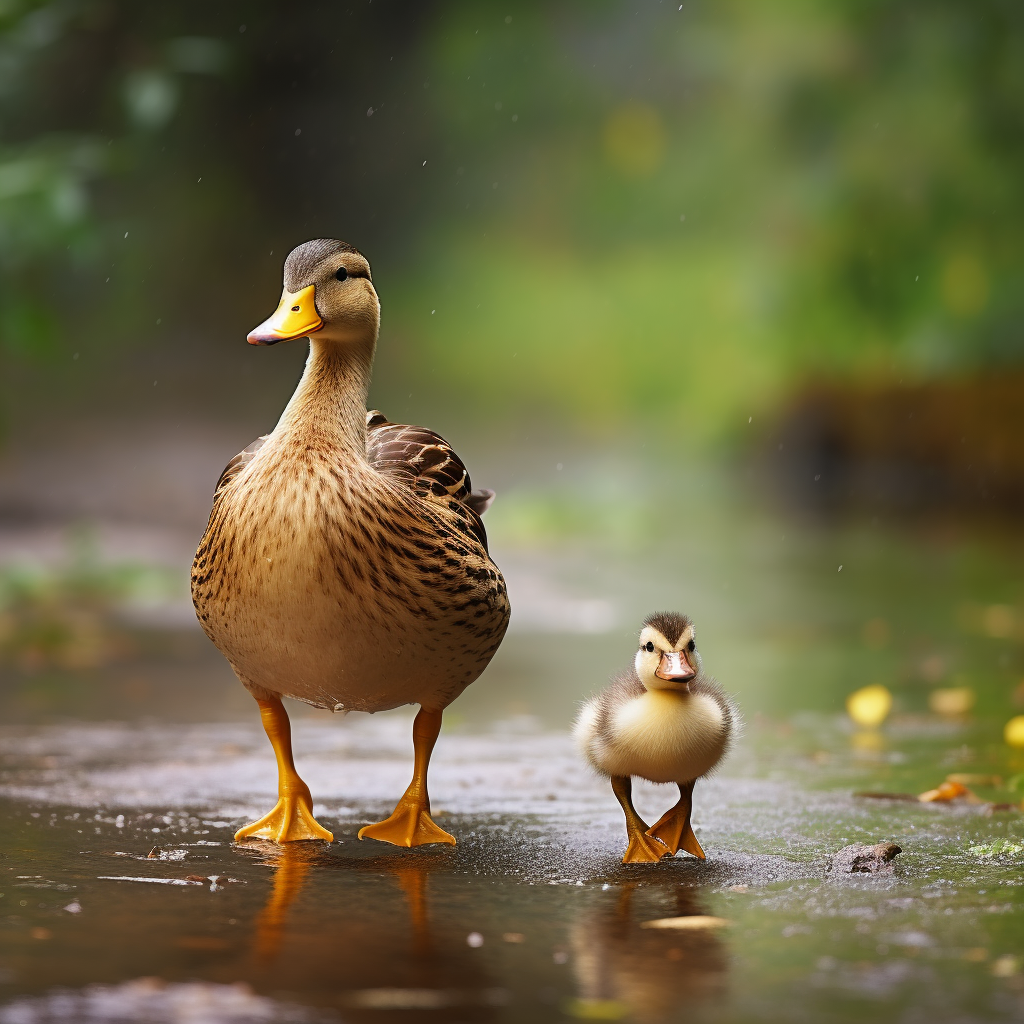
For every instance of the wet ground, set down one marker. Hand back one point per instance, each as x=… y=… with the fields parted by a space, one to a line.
x=123 y=778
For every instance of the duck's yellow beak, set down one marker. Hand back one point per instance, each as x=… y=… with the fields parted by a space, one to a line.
x=295 y=317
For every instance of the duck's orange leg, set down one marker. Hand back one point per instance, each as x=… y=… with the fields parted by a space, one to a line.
x=410 y=824
x=642 y=848
x=673 y=827
x=292 y=817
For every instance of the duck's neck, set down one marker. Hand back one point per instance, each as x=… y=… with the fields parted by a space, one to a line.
x=329 y=404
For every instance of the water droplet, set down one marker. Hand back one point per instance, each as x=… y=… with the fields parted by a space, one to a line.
x=298 y=131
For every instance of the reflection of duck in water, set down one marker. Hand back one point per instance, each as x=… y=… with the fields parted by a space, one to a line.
x=380 y=951
x=663 y=720
x=624 y=970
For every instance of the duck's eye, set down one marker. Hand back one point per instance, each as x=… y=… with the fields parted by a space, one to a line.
x=691 y=646
x=649 y=647
x=341 y=273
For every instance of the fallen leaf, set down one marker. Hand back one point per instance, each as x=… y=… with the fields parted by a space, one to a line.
x=694 y=922
x=944 y=792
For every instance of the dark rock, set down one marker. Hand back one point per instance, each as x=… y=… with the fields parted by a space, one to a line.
x=860 y=858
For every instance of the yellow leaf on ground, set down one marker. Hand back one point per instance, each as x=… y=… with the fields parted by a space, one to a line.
x=1013 y=733
x=870 y=705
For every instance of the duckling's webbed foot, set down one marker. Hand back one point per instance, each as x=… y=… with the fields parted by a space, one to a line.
x=292 y=816
x=674 y=829
x=410 y=824
x=641 y=848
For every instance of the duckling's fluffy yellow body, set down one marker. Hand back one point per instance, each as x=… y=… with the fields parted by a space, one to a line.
x=660 y=736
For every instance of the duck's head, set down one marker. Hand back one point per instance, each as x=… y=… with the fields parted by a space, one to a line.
x=668 y=658
x=327 y=293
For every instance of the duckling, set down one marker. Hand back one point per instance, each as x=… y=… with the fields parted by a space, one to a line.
x=345 y=563
x=663 y=720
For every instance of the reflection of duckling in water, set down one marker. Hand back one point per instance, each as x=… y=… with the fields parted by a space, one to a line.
x=625 y=970
x=663 y=720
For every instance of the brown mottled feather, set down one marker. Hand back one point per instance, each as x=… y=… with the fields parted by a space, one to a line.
x=425 y=462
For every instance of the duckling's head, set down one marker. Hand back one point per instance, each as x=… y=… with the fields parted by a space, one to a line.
x=668 y=658
x=327 y=293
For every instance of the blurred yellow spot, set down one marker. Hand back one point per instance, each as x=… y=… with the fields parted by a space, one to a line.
x=965 y=285
x=868 y=740
x=1005 y=966
x=972 y=779
x=634 y=140
x=999 y=620
x=952 y=700
x=976 y=955
x=876 y=633
x=1013 y=733
x=870 y=705
x=596 y=1009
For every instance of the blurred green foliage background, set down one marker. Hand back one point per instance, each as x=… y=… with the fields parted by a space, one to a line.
x=597 y=214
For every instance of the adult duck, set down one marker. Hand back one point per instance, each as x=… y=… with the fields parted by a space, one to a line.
x=345 y=563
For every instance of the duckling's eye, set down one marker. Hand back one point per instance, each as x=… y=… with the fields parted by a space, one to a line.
x=691 y=646
x=649 y=647
x=341 y=273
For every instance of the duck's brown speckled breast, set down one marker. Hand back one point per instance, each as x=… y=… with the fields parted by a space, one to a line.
x=341 y=588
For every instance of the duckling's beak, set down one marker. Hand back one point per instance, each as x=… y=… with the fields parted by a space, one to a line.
x=295 y=317
x=675 y=668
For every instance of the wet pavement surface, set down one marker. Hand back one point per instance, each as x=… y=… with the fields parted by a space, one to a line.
x=129 y=755
x=123 y=892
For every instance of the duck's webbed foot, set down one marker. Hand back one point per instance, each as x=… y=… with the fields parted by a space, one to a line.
x=290 y=820
x=641 y=848
x=409 y=825
x=673 y=827
x=292 y=817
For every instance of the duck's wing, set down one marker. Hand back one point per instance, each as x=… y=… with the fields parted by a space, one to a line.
x=428 y=465
x=239 y=462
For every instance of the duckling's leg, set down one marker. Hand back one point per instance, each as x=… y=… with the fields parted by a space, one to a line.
x=411 y=824
x=642 y=848
x=673 y=828
x=292 y=816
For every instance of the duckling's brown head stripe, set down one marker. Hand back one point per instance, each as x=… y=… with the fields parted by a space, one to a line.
x=303 y=260
x=671 y=625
